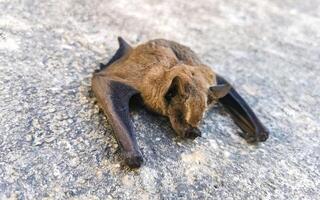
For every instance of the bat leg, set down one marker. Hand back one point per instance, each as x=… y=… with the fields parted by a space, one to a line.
x=113 y=97
x=243 y=115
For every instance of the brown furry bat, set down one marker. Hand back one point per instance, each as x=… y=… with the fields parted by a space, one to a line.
x=171 y=81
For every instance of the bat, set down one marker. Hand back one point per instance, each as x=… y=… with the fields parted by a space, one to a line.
x=170 y=80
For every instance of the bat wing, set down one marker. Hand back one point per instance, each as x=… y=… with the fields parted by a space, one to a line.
x=123 y=49
x=243 y=115
x=113 y=97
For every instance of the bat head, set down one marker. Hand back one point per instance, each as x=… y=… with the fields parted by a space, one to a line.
x=187 y=98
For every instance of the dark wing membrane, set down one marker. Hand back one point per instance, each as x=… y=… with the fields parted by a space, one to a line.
x=243 y=115
x=123 y=49
x=114 y=97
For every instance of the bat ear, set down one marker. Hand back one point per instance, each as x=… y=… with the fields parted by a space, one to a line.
x=174 y=89
x=218 y=91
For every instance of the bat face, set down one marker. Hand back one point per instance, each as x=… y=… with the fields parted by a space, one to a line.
x=185 y=106
x=186 y=100
x=172 y=81
x=188 y=97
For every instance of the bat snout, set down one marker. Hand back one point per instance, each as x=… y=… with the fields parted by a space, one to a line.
x=192 y=133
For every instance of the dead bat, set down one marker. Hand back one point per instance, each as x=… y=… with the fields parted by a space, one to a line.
x=172 y=81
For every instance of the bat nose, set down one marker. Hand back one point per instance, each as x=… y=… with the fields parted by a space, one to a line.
x=192 y=133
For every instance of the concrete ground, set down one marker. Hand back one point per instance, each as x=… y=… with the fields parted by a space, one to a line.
x=54 y=143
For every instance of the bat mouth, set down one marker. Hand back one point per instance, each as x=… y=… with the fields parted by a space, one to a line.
x=182 y=127
x=192 y=133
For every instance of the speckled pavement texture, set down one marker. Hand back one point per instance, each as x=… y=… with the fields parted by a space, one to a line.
x=54 y=143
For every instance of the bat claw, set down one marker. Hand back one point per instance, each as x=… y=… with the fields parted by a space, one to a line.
x=133 y=160
x=258 y=137
x=263 y=136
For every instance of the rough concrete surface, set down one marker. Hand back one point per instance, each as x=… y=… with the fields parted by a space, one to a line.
x=54 y=143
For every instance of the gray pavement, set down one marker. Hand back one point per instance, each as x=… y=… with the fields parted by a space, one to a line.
x=54 y=143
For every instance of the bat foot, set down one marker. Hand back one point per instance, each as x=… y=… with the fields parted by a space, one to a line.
x=133 y=160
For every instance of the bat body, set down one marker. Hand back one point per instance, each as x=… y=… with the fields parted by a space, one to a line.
x=171 y=81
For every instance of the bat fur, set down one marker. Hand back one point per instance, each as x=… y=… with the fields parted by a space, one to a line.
x=172 y=81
